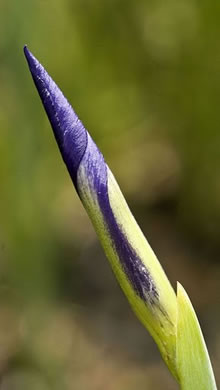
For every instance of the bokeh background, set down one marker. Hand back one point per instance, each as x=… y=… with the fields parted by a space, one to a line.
x=144 y=76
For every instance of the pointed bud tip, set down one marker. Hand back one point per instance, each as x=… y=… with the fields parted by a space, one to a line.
x=27 y=53
x=69 y=132
x=31 y=60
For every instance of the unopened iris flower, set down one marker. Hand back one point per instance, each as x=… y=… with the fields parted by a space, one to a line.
x=169 y=317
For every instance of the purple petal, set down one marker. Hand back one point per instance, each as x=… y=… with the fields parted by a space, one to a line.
x=69 y=132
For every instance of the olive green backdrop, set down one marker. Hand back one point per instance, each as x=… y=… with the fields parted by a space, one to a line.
x=144 y=77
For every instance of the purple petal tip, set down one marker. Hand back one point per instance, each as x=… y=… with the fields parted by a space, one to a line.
x=69 y=132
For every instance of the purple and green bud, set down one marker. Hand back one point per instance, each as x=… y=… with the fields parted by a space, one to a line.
x=80 y=153
x=133 y=262
x=135 y=265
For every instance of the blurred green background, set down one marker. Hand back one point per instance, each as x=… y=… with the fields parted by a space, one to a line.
x=144 y=76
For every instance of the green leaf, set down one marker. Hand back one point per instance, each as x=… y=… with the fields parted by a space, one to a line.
x=193 y=363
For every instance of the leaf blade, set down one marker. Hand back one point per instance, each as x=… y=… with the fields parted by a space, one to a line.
x=193 y=362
